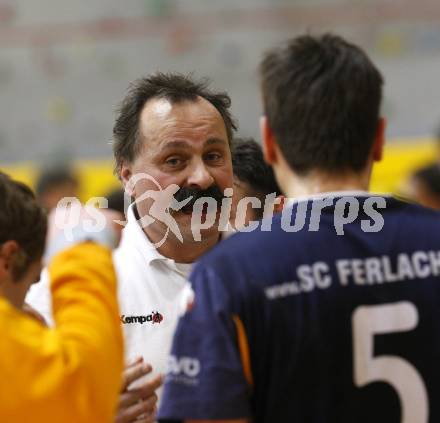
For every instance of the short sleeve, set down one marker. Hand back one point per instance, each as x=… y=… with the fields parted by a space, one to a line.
x=205 y=378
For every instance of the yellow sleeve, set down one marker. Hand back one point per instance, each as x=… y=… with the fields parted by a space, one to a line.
x=71 y=373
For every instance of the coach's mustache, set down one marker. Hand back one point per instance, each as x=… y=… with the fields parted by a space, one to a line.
x=194 y=193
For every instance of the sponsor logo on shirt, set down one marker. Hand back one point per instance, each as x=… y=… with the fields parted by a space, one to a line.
x=154 y=317
x=183 y=370
x=361 y=271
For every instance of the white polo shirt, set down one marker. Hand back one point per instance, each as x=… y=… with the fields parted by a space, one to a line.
x=153 y=291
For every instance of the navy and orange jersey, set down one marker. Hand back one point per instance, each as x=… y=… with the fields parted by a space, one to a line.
x=315 y=325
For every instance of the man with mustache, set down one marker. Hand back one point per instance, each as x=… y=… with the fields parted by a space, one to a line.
x=172 y=142
x=172 y=150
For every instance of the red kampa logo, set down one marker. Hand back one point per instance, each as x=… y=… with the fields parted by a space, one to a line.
x=154 y=317
x=157 y=317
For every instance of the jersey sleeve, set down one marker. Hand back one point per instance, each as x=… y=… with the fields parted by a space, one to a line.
x=205 y=377
x=71 y=373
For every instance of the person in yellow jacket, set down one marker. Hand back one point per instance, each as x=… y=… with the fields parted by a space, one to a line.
x=70 y=373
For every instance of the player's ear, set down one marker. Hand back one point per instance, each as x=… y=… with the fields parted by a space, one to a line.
x=8 y=251
x=126 y=177
x=379 y=141
x=268 y=141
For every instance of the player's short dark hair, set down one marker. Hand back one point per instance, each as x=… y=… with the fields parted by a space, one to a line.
x=173 y=87
x=249 y=166
x=322 y=98
x=54 y=177
x=430 y=177
x=21 y=220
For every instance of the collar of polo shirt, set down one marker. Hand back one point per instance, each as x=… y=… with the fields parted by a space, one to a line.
x=133 y=233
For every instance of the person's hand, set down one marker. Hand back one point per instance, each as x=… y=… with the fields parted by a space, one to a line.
x=138 y=404
x=73 y=224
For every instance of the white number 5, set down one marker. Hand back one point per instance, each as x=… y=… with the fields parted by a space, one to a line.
x=368 y=321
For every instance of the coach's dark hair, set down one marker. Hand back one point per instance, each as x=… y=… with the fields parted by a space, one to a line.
x=175 y=88
x=21 y=220
x=430 y=177
x=322 y=98
x=249 y=166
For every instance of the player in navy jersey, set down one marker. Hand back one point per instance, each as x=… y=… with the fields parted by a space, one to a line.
x=330 y=311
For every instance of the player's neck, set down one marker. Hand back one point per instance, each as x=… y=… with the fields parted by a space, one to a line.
x=12 y=294
x=321 y=182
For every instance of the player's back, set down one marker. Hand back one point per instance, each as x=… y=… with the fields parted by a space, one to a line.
x=341 y=328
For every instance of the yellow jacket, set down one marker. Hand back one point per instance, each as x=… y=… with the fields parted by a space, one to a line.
x=71 y=373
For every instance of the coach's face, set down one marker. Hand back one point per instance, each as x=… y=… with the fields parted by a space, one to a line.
x=185 y=144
